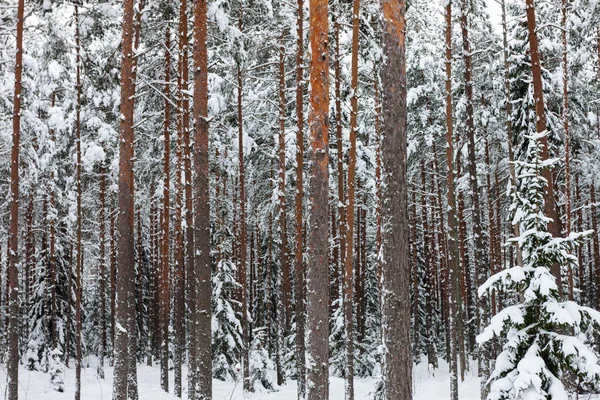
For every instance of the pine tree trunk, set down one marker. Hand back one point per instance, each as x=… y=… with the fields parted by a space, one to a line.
x=165 y=265
x=509 y=126
x=441 y=283
x=190 y=270
x=125 y=243
x=102 y=276
x=595 y=267
x=397 y=365
x=242 y=231
x=179 y=278
x=12 y=365
x=340 y=154
x=349 y=231
x=565 y=117
x=283 y=249
x=79 y=262
x=113 y=283
x=428 y=250
x=202 y=263
x=541 y=126
x=581 y=284
x=317 y=268
x=451 y=273
x=378 y=237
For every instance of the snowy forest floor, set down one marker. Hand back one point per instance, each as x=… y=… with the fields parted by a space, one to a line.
x=35 y=385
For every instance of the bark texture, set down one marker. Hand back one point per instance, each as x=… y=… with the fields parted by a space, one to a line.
x=397 y=366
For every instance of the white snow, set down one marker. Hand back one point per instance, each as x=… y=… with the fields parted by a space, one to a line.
x=35 y=385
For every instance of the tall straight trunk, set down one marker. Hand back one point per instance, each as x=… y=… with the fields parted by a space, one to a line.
x=79 y=265
x=299 y=215
x=30 y=262
x=378 y=237
x=317 y=349
x=460 y=267
x=466 y=283
x=492 y=227
x=595 y=267
x=397 y=365
x=349 y=232
x=428 y=249
x=165 y=265
x=481 y=262
x=283 y=249
x=190 y=270
x=151 y=306
x=592 y=257
x=414 y=260
x=179 y=274
x=242 y=231
x=102 y=274
x=52 y=268
x=12 y=375
x=509 y=126
x=581 y=271
x=451 y=273
x=125 y=243
x=442 y=254
x=113 y=283
x=565 y=117
x=340 y=151
x=541 y=126
x=202 y=264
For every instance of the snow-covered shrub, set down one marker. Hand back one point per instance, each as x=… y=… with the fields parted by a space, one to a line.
x=56 y=369
x=262 y=369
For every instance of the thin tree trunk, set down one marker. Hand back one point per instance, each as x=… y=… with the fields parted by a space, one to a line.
x=349 y=231
x=79 y=265
x=12 y=383
x=451 y=273
x=317 y=270
x=242 y=232
x=509 y=127
x=283 y=250
x=190 y=270
x=594 y=269
x=179 y=274
x=102 y=277
x=397 y=365
x=567 y=137
x=428 y=250
x=113 y=283
x=125 y=243
x=165 y=265
x=378 y=237
x=202 y=262
x=340 y=153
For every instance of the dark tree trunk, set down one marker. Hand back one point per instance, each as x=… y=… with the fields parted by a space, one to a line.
x=397 y=366
x=12 y=383
x=283 y=249
x=349 y=231
x=165 y=265
x=102 y=275
x=126 y=211
x=202 y=264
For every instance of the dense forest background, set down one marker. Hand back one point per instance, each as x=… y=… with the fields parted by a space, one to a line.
x=472 y=141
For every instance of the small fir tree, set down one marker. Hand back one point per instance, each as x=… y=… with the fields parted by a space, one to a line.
x=545 y=339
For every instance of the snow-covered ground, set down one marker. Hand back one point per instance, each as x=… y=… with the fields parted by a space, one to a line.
x=36 y=386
